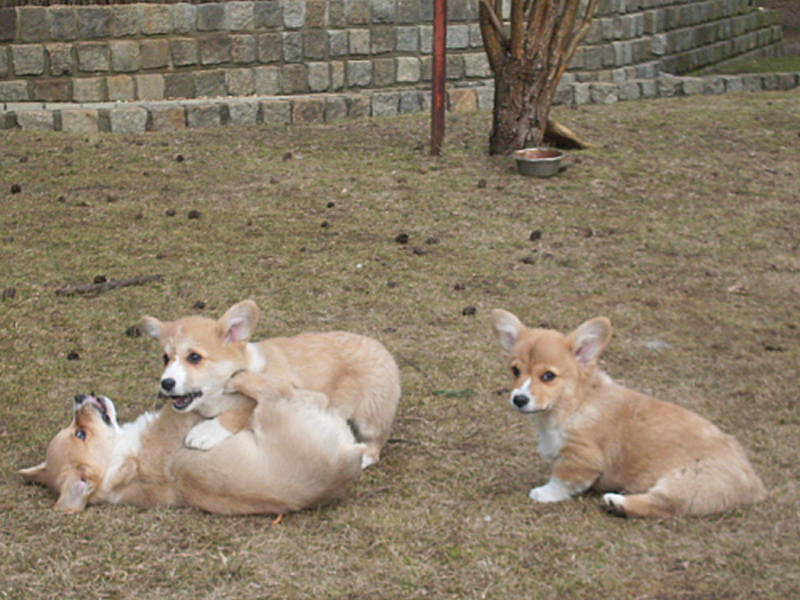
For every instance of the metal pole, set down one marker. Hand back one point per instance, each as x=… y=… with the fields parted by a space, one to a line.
x=438 y=88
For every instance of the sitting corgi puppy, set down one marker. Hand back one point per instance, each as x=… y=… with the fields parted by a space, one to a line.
x=292 y=456
x=356 y=374
x=650 y=458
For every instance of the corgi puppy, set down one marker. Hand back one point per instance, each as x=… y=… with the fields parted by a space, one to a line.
x=649 y=458
x=356 y=374
x=293 y=455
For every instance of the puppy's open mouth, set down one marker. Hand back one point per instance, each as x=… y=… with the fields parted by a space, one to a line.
x=182 y=403
x=100 y=403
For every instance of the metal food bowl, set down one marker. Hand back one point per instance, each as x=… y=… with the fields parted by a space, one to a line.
x=538 y=162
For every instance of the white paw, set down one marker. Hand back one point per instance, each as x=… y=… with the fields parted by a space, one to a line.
x=366 y=461
x=614 y=502
x=555 y=491
x=206 y=434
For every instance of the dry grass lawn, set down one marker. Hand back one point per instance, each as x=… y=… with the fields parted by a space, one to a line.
x=682 y=226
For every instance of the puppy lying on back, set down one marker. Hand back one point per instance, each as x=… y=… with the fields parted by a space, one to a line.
x=651 y=458
x=356 y=374
x=291 y=456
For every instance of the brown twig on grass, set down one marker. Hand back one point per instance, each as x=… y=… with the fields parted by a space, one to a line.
x=74 y=290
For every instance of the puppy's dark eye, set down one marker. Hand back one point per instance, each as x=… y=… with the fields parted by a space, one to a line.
x=166 y=359
x=515 y=371
x=194 y=358
x=548 y=376
x=80 y=434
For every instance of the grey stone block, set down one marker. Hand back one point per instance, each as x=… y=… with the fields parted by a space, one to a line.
x=338 y=42
x=28 y=59
x=270 y=47
x=125 y=56
x=60 y=59
x=409 y=11
x=315 y=44
x=292 y=46
x=14 y=91
x=294 y=14
x=80 y=120
x=32 y=23
x=319 y=78
x=167 y=118
x=89 y=89
x=8 y=118
x=357 y=12
x=337 y=75
x=359 y=105
x=409 y=69
x=336 y=14
x=215 y=49
x=384 y=11
x=239 y=16
x=53 y=90
x=36 y=120
x=203 y=115
x=383 y=72
x=184 y=51
x=267 y=14
x=184 y=18
x=267 y=81
x=276 y=112
x=383 y=40
x=210 y=17
x=629 y=90
x=457 y=37
x=477 y=65
x=4 y=66
x=335 y=108
x=178 y=85
x=316 y=14
x=243 y=49
x=209 y=84
x=94 y=22
x=359 y=73
x=407 y=39
x=385 y=104
x=239 y=82
x=359 y=41
x=410 y=102
x=294 y=79
x=149 y=87
x=120 y=88
x=8 y=24
x=243 y=113
x=63 y=23
x=93 y=57
x=308 y=110
x=155 y=53
x=127 y=120
x=125 y=20
x=155 y=19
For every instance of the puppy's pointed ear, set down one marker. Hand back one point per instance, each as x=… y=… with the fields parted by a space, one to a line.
x=152 y=327
x=36 y=474
x=507 y=327
x=239 y=321
x=589 y=339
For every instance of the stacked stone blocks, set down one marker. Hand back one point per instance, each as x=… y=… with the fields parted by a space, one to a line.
x=148 y=52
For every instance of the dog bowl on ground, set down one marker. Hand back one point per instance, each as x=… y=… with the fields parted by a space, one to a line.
x=538 y=162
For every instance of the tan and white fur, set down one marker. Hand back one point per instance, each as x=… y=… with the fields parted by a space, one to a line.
x=649 y=458
x=293 y=455
x=357 y=374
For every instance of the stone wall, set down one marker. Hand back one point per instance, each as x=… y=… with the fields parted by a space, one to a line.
x=154 y=52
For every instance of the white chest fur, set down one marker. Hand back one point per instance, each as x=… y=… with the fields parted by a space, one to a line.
x=551 y=435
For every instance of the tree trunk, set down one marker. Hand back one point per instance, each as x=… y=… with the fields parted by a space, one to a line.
x=528 y=59
x=521 y=107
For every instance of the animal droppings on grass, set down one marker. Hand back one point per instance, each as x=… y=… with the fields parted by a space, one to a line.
x=73 y=355
x=401 y=238
x=194 y=214
x=16 y=188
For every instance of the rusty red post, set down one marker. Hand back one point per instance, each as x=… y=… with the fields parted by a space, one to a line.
x=438 y=94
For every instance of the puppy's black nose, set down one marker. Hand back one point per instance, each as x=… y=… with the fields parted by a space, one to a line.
x=519 y=400
x=167 y=384
x=80 y=398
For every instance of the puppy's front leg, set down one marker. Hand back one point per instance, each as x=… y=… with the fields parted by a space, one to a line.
x=207 y=434
x=557 y=490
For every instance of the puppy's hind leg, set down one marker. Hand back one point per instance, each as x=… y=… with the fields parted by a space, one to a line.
x=637 y=505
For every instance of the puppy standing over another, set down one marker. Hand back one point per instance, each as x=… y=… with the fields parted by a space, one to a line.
x=356 y=373
x=652 y=458
x=293 y=456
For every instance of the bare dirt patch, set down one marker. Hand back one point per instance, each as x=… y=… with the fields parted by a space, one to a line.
x=682 y=226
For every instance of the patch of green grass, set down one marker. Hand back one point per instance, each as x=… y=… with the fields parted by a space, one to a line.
x=787 y=64
x=682 y=226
